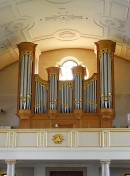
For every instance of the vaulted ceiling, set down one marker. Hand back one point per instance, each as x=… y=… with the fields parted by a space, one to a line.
x=56 y=24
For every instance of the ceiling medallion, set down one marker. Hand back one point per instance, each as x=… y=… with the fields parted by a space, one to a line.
x=59 y=1
x=114 y=23
x=58 y=138
x=67 y=35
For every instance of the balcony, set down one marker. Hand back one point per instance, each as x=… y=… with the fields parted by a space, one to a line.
x=67 y=144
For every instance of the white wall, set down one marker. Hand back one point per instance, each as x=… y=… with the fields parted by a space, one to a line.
x=24 y=171
x=119 y=171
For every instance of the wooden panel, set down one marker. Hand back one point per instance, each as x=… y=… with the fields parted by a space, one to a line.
x=90 y=122
x=106 y=123
x=40 y=123
x=24 y=123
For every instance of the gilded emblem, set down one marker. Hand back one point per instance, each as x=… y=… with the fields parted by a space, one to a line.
x=58 y=138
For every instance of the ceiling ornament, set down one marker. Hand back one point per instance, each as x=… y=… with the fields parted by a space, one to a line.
x=67 y=34
x=17 y=25
x=4 y=45
x=63 y=17
x=59 y=1
x=114 y=23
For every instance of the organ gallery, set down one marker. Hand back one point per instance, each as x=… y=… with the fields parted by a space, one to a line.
x=77 y=103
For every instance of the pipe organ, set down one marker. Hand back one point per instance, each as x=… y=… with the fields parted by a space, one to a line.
x=66 y=104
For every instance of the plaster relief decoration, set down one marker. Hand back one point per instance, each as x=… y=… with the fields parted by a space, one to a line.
x=113 y=23
x=59 y=1
x=62 y=16
x=11 y=31
x=58 y=138
x=4 y=45
x=67 y=34
x=19 y=24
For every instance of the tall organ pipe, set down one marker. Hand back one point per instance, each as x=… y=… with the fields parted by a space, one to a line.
x=41 y=92
x=78 y=73
x=26 y=65
x=90 y=95
x=105 y=56
x=53 y=77
x=25 y=82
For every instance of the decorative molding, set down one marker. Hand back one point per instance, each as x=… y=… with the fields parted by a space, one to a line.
x=114 y=23
x=4 y=45
x=58 y=138
x=64 y=17
x=67 y=34
x=17 y=25
x=59 y=1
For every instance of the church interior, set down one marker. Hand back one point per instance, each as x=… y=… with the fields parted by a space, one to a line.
x=65 y=88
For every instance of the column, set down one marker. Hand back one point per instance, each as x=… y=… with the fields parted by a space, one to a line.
x=105 y=168
x=39 y=170
x=10 y=167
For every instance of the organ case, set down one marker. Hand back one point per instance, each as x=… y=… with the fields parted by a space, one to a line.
x=66 y=104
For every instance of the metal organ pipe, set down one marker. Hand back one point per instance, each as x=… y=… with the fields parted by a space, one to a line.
x=36 y=102
x=106 y=80
x=40 y=96
x=55 y=96
x=90 y=95
x=77 y=87
x=21 y=83
x=65 y=97
x=53 y=92
x=80 y=91
x=29 y=84
x=101 y=81
x=26 y=79
x=25 y=82
x=109 y=82
x=95 y=97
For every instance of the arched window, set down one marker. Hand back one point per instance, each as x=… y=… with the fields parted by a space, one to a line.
x=66 y=70
x=66 y=65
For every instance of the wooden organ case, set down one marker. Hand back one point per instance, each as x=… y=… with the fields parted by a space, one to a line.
x=66 y=104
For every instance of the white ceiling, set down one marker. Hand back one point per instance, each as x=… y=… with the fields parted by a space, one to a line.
x=55 y=24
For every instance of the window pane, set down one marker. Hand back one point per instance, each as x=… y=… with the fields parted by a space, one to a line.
x=66 y=70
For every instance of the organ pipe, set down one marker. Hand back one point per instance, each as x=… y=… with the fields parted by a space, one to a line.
x=65 y=89
x=36 y=96
x=105 y=64
x=41 y=91
x=25 y=83
x=90 y=95
x=53 y=77
x=78 y=73
x=26 y=65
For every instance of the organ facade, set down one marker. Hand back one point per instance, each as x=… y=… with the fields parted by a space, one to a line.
x=76 y=103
